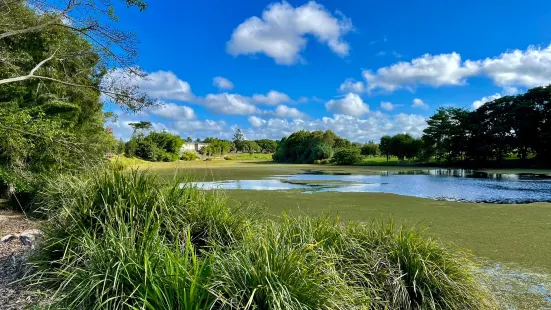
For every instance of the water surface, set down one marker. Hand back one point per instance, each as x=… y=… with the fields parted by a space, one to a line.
x=441 y=184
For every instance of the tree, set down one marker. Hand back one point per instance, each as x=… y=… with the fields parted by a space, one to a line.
x=267 y=145
x=140 y=126
x=189 y=139
x=347 y=156
x=91 y=20
x=370 y=149
x=156 y=146
x=238 y=136
x=384 y=146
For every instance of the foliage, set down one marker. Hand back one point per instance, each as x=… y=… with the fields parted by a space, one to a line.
x=51 y=118
x=509 y=125
x=128 y=240
x=69 y=45
x=370 y=149
x=347 y=156
x=156 y=146
x=306 y=147
x=189 y=156
x=267 y=145
x=238 y=136
x=217 y=147
x=249 y=147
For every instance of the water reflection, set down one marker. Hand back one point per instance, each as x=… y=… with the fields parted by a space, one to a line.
x=441 y=184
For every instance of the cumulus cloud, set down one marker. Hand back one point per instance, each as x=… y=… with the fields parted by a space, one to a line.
x=437 y=70
x=510 y=70
x=222 y=83
x=478 y=103
x=272 y=98
x=256 y=121
x=173 y=111
x=418 y=103
x=351 y=105
x=230 y=104
x=284 y=111
x=350 y=127
x=352 y=86
x=387 y=106
x=529 y=68
x=281 y=32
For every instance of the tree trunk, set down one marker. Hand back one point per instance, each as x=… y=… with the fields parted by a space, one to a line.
x=7 y=191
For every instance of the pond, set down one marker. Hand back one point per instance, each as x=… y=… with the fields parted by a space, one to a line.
x=440 y=184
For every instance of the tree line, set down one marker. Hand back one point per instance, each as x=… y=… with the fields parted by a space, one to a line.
x=164 y=146
x=518 y=126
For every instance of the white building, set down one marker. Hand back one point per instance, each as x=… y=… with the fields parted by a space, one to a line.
x=192 y=146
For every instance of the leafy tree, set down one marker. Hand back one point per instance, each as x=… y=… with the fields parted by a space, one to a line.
x=238 y=136
x=370 y=149
x=384 y=146
x=189 y=139
x=37 y=40
x=140 y=126
x=267 y=145
x=307 y=147
x=156 y=146
x=53 y=70
x=347 y=156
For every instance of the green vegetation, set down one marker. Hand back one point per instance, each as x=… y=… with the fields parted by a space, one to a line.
x=347 y=156
x=304 y=147
x=51 y=77
x=129 y=240
x=245 y=157
x=519 y=125
x=189 y=155
x=156 y=146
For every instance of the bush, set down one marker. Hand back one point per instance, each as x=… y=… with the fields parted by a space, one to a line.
x=128 y=240
x=347 y=156
x=189 y=155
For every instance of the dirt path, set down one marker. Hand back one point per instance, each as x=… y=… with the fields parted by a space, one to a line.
x=13 y=295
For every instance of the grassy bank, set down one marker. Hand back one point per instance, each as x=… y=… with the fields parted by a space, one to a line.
x=131 y=240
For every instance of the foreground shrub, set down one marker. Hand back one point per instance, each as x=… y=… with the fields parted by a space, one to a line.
x=131 y=241
x=267 y=271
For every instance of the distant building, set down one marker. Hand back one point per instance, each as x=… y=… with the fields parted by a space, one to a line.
x=192 y=146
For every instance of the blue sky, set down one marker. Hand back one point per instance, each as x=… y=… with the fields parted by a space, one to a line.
x=360 y=68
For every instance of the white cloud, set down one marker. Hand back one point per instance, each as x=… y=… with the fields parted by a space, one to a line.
x=418 y=103
x=173 y=111
x=230 y=104
x=510 y=70
x=284 y=111
x=478 y=103
x=282 y=30
x=510 y=90
x=438 y=70
x=272 y=98
x=222 y=83
x=529 y=68
x=351 y=105
x=353 y=128
x=387 y=106
x=351 y=86
x=256 y=121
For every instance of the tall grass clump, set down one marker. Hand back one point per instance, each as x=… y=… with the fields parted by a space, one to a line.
x=114 y=226
x=129 y=240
